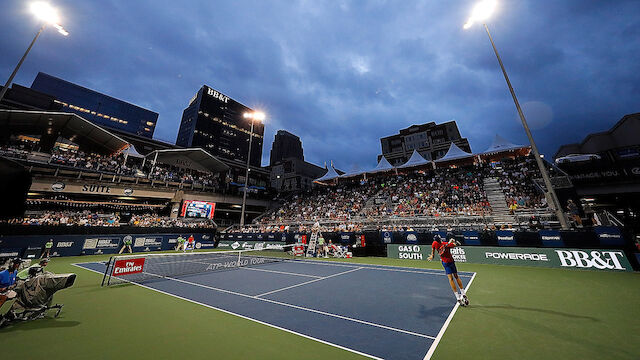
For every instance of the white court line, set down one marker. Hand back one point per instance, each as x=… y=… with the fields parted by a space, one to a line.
x=300 y=307
x=307 y=282
x=432 y=349
x=375 y=267
x=279 y=272
x=296 y=306
x=355 y=265
x=242 y=316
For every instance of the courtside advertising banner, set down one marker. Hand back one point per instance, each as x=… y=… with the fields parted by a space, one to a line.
x=100 y=245
x=589 y=259
x=128 y=267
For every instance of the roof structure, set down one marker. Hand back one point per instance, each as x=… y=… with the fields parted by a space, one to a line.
x=69 y=126
x=454 y=153
x=131 y=151
x=415 y=160
x=194 y=158
x=383 y=165
x=329 y=175
x=352 y=174
x=501 y=144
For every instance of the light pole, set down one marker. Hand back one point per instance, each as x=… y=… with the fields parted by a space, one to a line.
x=48 y=15
x=256 y=115
x=481 y=12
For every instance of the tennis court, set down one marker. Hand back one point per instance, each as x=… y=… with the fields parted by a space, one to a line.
x=373 y=310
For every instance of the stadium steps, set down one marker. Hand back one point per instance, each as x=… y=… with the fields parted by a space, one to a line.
x=498 y=202
x=371 y=202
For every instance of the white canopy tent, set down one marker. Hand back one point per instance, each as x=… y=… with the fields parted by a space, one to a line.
x=329 y=175
x=501 y=144
x=415 y=160
x=383 y=165
x=454 y=153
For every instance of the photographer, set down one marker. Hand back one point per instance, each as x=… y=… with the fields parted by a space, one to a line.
x=8 y=280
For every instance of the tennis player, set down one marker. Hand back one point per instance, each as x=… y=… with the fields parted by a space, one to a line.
x=444 y=250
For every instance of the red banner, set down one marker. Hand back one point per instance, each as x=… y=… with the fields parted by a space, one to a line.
x=298 y=250
x=128 y=267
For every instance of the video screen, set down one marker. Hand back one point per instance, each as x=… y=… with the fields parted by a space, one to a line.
x=198 y=209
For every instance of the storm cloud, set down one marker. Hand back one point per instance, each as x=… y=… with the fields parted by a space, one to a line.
x=342 y=74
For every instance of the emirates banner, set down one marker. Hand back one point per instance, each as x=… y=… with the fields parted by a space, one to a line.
x=128 y=267
x=590 y=259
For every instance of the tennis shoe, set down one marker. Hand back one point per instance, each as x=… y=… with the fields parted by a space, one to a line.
x=465 y=300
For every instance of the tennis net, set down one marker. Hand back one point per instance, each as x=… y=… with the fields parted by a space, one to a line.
x=148 y=267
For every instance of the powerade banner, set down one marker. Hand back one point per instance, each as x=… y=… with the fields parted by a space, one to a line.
x=589 y=259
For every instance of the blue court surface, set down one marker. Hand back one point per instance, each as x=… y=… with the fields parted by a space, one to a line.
x=376 y=311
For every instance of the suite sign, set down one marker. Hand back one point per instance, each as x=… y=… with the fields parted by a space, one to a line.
x=96 y=189
x=218 y=95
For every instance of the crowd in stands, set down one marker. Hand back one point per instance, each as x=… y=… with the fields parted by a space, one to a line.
x=97 y=219
x=115 y=164
x=446 y=192
x=443 y=192
x=516 y=180
x=266 y=228
x=342 y=202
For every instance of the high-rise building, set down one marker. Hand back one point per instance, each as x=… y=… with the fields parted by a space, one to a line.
x=289 y=171
x=285 y=145
x=431 y=140
x=98 y=108
x=216 y=123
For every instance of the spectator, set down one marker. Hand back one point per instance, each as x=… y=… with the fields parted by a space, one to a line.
x=8 y=280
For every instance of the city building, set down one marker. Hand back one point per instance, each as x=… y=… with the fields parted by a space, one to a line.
x=19 y=97
x=289 y=171
x=292 y=174
x=431 y=140
x=215 y=122
x=98 y=108
x=605 y=169
x=286 y=145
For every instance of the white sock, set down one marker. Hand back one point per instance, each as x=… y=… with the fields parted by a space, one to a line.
x=462 y=292
x=458 y=296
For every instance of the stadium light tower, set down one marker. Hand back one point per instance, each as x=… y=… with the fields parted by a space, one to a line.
x=481 y=12
x=48 y=15
x=259 y=116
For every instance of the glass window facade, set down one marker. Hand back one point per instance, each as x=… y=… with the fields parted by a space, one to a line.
x=216 y=123
x=98 y=108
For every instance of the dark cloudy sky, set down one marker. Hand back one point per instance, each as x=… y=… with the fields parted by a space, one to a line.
x=342 y=74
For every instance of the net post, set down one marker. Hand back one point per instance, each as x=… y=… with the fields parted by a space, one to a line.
x=114 y=262
x=106 y=271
